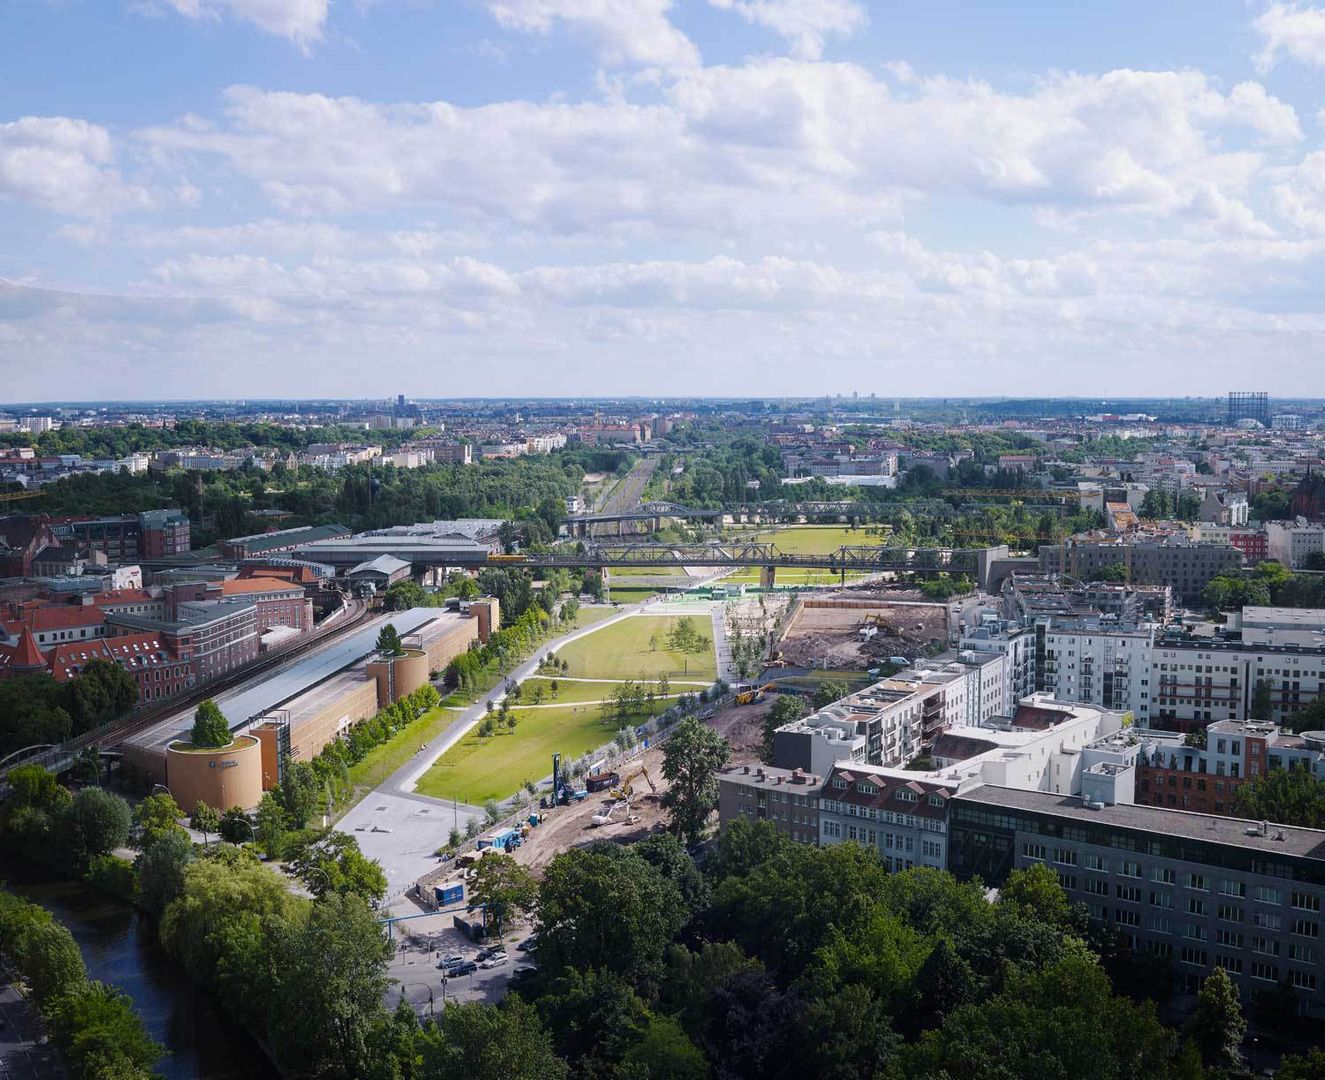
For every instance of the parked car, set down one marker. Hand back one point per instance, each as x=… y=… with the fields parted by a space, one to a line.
x=495 y=960
x=529 y=944
x=448 y=960
x=462 y=967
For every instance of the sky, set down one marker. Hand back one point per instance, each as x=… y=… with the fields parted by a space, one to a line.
x=358 y=198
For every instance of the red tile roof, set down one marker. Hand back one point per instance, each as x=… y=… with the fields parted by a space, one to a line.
x=134 y=652
x=245 y=586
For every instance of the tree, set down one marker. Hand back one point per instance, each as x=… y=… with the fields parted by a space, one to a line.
x=236 y=827
x=329 y=975
x=684 y=638
x=210 y=728
x=1034 y=892
x=663 y=1051
x=94 y=823
x=476 y=1041
x=50 y=960
x=1308 y=1066
x=1217 y=1023
x=335 y=864
x=502 y=886
x=826 y=693
x=102 y=691
x=300 y=792
x=1115 y=572
x=1262 y=707
x=388 y=641
x=104 y=1039
x=34 y=785
x=692 y=757
x=787 y=708
x=156 y=816
x=606 y=908
x=205 y=819
x=1285 y=796
x=160 y=870
x=272 y=825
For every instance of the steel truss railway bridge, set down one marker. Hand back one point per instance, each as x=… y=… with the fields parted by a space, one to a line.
x=871 y=559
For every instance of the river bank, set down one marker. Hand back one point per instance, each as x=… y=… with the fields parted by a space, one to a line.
x=120 y=947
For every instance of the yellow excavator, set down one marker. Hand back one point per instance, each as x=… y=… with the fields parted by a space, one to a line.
x=626 y=788
x=750 y=695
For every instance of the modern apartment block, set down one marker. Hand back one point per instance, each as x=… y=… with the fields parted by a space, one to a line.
x=1176 y=561
x=1096 y=664
x=1199 y=890
x=893 y=720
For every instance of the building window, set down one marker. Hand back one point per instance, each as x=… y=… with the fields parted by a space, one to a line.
x=1306 y=902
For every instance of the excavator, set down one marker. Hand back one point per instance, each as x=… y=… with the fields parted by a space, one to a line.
x=626 y=789
x=752 y=694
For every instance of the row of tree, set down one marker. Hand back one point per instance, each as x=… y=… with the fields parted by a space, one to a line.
x=94 y=1025
x=37 y=709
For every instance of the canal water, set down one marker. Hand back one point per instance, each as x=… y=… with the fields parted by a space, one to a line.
x=120 y=947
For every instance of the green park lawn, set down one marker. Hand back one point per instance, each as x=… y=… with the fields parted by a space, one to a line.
x=646 y=571
x=817 y=539
x=573 y=693
x=633 y=594
x=587 y=616
x=478 y=769
x=622 y=651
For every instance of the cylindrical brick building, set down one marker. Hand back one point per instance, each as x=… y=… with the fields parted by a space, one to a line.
x=230 y=776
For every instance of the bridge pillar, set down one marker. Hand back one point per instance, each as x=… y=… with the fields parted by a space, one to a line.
x=767 y=576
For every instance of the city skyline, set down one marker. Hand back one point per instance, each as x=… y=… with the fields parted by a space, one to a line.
x=726 y=198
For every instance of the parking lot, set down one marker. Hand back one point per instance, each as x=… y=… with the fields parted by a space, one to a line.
x=414 y=966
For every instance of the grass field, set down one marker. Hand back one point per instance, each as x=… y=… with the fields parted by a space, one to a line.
x=647 y=571
x=621 y=651
x=816 y=539
x=750 y=576
x=475 y=769
x=587 y=616
x=574 y=692
x=632 y=594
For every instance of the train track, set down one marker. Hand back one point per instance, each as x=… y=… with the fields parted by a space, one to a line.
x=141 y=720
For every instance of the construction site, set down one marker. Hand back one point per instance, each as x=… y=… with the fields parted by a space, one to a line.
x=852 y=630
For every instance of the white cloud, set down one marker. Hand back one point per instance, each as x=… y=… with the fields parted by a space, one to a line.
x=803 y=23
x=63 y=164
x=1290 y=30
x=774 y=144
x=301 y=21
x=621 y=31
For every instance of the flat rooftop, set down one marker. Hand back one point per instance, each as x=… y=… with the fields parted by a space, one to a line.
x=1234 y=832
x=273 y=689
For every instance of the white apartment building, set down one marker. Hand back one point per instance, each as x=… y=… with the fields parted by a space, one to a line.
x=1096 y=664
x=1291 y=543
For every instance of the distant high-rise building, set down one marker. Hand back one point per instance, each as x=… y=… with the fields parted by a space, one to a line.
x=1252 y=405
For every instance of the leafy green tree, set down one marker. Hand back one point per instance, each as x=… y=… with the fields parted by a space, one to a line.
x=1217 y=1024
x=300 y=792
x=826 y=693
x=103 y=691
x=503 y=887
x=476 y=1041
x=1034 y=893
x=103 y=1038
x=402 y=595
x=334 y=864
x=272 y=825
x=388 y=641
x=155 y=817
x=592 y=1017
x=608 y=909
x=160 y=869
x=664 y=1051
x=692 y=757
x=210 y=728
x=1117 y=572
x=36 y=786
x=329 y=974
x=94 y=823
x=205 y=819
x=1285 y=796
x=50 y=960
x=1308 y=1066
x=786 y=709
x=236 y=828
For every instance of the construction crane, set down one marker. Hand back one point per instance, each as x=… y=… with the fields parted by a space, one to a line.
x=14 y=496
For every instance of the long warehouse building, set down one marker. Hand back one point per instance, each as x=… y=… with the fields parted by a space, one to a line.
x=299 y=710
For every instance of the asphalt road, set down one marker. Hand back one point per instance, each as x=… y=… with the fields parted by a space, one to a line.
x=24 y=1053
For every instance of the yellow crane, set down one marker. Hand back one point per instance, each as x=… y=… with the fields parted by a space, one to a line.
x=14 y=496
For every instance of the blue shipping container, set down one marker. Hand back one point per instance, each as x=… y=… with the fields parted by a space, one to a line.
x=449 y=894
